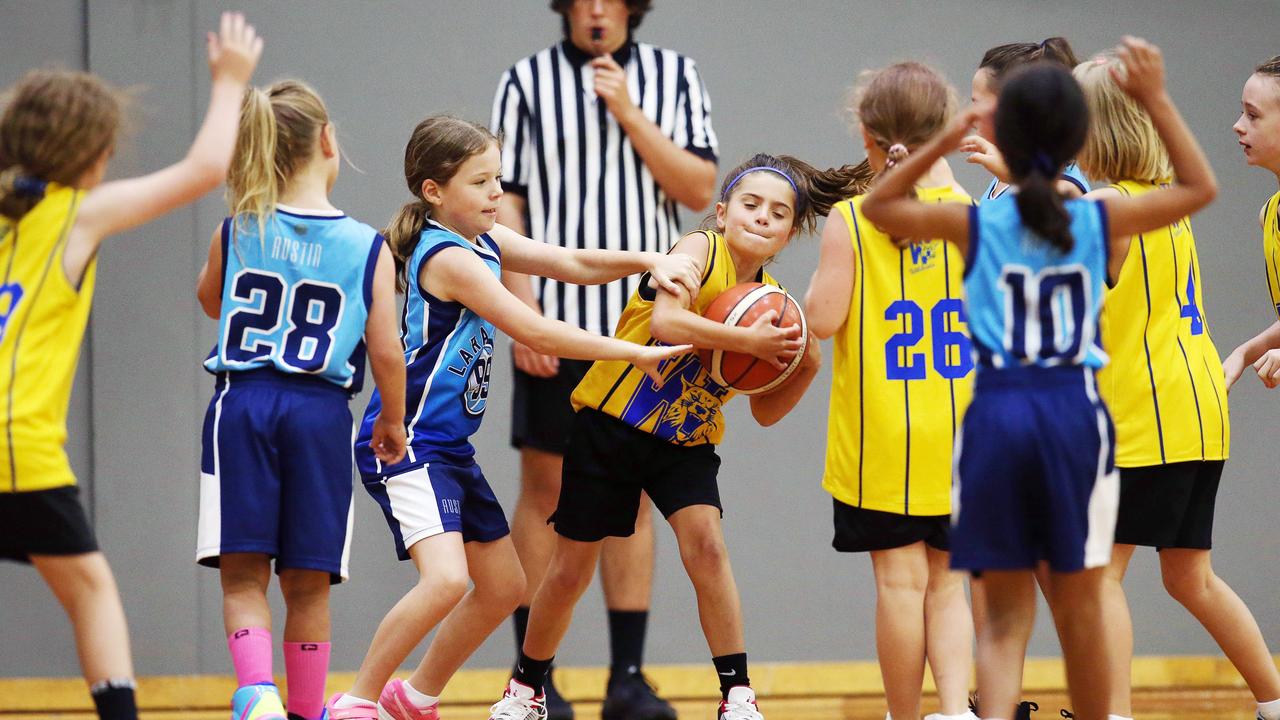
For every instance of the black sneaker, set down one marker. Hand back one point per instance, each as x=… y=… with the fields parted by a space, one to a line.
x=630 y=696
x=1025 y=708
x=1066 y=713
x=557 y=707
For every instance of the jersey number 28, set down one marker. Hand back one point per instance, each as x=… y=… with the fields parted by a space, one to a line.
x=311 y=308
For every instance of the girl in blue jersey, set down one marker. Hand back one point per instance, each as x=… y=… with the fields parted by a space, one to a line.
x=440 y=509
x=995 y=66
x=299 y=289
x=1035 y=469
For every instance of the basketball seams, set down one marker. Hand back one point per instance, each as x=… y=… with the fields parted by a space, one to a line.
x=741 y=309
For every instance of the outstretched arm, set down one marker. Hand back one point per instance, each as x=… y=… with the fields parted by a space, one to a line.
x=119 y=205
x=457 y=274
x=592 y=267
x=1194 y=185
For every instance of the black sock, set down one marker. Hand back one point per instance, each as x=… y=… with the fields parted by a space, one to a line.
x=626 y=641
x=520 y=619
x=114 y=700
x=532 y=672
x=732 y=670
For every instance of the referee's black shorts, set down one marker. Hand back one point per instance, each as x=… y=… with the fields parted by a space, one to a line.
x=541 y=416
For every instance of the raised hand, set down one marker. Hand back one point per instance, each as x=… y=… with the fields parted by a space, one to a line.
x=984 y=152
x=234 y=50
x=1143 y=69
x=1268 y=367
x=611 y=84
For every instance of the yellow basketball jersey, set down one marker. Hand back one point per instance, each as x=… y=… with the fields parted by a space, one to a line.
x=1271 y=248
x=902 y=372
x=686 y=410
x=42 y=321
x=1164 y=384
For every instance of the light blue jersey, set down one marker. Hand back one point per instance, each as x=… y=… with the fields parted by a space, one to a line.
x=1071 y=173
x=296 y=300
x=448 y=353
x=1028 y=303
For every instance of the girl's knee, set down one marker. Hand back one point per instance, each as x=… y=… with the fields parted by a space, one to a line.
x=304 y=587
x=447 y=583
x=704 y=553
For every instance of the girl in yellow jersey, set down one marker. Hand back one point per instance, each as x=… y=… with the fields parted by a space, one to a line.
x=902 y=378
x=1167 y=395
x=632 y=436
x=57 y=134
x=1258 y=130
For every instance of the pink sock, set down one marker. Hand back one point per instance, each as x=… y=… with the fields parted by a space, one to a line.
x=251 y=655
x=306 y=665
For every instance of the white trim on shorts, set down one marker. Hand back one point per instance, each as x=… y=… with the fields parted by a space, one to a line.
x=1104 y=501
x=209 y=524
x=414 y=505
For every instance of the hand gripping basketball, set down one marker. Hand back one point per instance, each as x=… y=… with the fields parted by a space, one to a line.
x=742 y=306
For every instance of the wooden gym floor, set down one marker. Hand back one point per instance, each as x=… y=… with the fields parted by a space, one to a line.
x=1170 y=688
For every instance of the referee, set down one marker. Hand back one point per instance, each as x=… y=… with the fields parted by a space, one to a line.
x=604 y=138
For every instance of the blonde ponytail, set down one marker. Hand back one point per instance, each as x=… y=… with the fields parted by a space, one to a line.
x=253 y=184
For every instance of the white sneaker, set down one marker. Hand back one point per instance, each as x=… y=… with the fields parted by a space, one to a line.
x=967 y=715
x=741 y=705
x=519 y=703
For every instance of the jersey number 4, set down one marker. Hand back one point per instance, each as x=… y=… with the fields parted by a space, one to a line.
x=311 y=308
x=902 y=364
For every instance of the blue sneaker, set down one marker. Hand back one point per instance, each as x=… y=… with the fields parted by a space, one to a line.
x=257 y=702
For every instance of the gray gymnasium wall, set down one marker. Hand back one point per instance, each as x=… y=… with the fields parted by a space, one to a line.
x=777 y=73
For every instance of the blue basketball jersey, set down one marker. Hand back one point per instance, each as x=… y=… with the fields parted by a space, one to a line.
x=297 y=299
x=1028 y=303
x=448 y=352
x=1071 y=173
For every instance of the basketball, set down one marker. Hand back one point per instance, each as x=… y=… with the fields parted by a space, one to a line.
x=740 y=306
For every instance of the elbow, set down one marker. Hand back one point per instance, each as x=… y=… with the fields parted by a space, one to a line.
x=538 y=340
x=1210 y=189
x=820 y=326
x=208 y=170
x=662 y=330
x=697 y=199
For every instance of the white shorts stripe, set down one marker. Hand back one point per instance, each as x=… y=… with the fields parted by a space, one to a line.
x=414 y=505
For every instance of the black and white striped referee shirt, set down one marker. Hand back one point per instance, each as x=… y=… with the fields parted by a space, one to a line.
x=585 y=185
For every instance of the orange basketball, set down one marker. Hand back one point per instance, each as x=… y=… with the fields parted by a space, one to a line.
x=740 y=306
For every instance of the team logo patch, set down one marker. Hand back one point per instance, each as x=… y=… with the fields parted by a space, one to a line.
x=475 y=362
x=685 y=410
x=922 y=254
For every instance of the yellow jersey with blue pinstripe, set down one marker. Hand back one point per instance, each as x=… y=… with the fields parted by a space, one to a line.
x=902 y=373
x=1271 y=248
x=686 y=410
x=42 y=321
x=1164 y=385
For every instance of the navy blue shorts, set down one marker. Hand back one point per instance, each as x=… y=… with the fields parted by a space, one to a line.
x=1036 y=475
x=275 y=472
x=435 y=498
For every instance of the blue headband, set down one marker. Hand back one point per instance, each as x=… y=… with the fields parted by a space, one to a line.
x=729 y=188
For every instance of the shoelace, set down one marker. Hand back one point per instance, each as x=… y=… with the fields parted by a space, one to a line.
x=511 y=707
x=733 y=709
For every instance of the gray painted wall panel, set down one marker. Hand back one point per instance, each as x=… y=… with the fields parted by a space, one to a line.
x=777 y=76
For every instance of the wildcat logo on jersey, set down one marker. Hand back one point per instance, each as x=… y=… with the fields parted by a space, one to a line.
x=475 y=364
x=922 y=253
x=682 y=412
x=10 y=296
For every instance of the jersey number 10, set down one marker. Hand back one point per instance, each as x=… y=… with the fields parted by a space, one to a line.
x=313 y=310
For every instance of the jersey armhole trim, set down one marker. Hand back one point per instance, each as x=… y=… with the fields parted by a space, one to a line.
x=426 y=256
x=226 y=246
x=971 y=253
x=1104 y=224
x=371 y=266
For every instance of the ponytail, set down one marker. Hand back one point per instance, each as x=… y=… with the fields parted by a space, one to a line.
x=253 y=181
x=403 y=233
x=829 y=187
x=1042 y=211
x=19 y=192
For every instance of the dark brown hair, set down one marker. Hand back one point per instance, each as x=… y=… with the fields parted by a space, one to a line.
x=55 y=126
x=1041 y=123
x=817 y=191
x=1001 y=59
x=636 y=8
x=438 y=147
